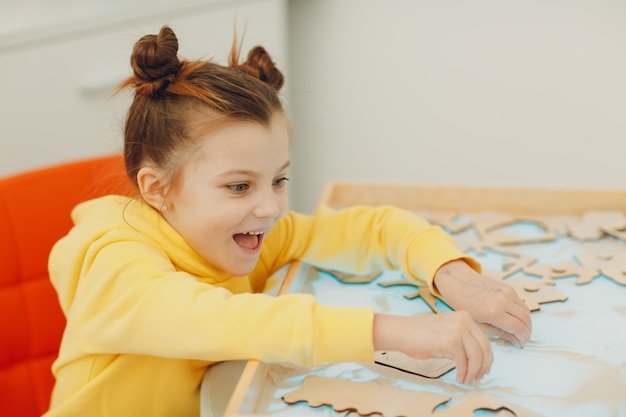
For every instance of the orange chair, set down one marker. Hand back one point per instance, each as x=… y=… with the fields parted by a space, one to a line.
x=34 y=213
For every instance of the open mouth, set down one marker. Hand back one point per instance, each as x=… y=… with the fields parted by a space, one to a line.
x=250 y=240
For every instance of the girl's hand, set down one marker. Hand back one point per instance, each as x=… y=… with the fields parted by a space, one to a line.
x=493 y=304
x=451 y=335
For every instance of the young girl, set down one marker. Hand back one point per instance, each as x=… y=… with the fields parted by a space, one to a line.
x=157 y=288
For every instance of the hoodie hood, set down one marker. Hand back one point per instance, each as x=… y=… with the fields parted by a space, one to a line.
x=114 y=218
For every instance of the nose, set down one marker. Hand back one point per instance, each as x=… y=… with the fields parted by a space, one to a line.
x=269 y=204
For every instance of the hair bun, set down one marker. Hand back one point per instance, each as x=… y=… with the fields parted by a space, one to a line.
x=155 y=61
x=260 y=65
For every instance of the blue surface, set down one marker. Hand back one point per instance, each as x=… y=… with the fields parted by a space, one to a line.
x=574 y=365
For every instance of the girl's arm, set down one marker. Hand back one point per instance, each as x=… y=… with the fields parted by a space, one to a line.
x=363 y=239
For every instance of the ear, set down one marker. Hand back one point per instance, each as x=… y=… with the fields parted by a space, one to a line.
x=152 y=187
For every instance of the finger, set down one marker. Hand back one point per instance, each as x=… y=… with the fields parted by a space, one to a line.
x=519 y=323
x=519 y=302
x=520 y=310
x=475 y=358
x=501 y=334
x=511 y=324
x=460 y=359
x=512 y=339
x=485 y=345
x=473 y=355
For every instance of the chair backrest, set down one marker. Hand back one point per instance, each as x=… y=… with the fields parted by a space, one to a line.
x=34 y=213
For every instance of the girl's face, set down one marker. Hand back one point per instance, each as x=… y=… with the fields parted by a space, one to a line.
x=232 y=191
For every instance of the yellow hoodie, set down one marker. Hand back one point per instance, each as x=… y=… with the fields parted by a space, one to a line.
x=146 y=314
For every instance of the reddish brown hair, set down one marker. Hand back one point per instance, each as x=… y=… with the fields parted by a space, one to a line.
x=173 y=97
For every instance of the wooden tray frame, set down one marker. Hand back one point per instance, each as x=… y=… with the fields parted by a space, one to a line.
x=514 y=200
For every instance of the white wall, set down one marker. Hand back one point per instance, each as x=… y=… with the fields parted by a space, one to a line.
x=60 y=63
x=461 y=92
x=486 y=92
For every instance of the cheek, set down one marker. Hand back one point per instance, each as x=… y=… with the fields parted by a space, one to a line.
x=284 y=203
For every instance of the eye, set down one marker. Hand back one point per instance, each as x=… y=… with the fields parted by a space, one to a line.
x=280 y=182
x=238 y=188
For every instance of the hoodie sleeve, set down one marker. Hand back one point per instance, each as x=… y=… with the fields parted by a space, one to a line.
x=140 y=304
x=363 y=239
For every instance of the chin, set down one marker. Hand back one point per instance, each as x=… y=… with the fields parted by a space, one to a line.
x=241 y=269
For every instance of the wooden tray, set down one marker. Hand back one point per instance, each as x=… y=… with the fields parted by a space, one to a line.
x=467 y=199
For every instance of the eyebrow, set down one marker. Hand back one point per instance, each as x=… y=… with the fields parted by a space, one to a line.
x=249 y=172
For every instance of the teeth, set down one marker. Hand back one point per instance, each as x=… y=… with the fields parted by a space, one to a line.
x=253 y=233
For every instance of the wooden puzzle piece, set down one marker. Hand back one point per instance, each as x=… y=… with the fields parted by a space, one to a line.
x=465 y=243
x=593 y=224
x=428 y=368
x=511 y=266
x=489 y=230
x=535 y=292
x=348 y=278
x=364 y=398
x=478 y=402
x=615 y=272
x=447 y=220
x=561 y=224
x=591 y=264
x=367 y=398
x=618 y=232
x=514 y=263
x=565 y=269
x=422 y=292
x=611 y=264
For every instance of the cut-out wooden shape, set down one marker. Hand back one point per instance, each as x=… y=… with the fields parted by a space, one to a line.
x=561 y=224
x=511 y=266
x=617 y=232
x=352 y=278
x=422 y=292
x=611 y=264
x=535 y=292
x=616 y=272
x=447 y=220
x=514 y=263
x=469 y=242
x=479 y=402
x=563 y=270
x=593 y=224
x=429 y=368
x=364 y=398
x=489 y=230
